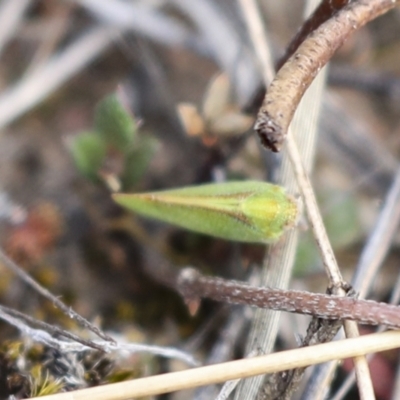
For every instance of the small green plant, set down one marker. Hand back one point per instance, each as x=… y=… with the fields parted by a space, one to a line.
x=113 y=151
x=42 y=384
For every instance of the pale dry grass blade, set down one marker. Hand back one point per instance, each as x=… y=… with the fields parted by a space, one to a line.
x=380 y=240
x=147 y=21
x=34 y=88
x=11 y=14
x=280 y=259
x=280 y=361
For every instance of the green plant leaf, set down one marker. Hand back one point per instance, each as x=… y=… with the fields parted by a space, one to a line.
x=342 y=219
x=246 y=211
x=114 y=123
x=88 y=152
x=137 y=161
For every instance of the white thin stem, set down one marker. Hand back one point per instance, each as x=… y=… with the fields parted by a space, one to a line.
x=41 y=336
x=258 y=38
x=28 y=280
x=313 y=214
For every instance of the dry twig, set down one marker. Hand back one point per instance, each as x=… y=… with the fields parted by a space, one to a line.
x=193 y=286
x=295 y=76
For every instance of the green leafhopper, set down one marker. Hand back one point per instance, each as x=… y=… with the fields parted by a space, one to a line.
x=245 y=211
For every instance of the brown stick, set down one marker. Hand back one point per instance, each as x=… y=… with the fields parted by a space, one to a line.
x=193 y=286
x=298 y=72
x=325 y=10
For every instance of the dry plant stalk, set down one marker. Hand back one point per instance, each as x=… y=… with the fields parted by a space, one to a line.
x=293 y=79
x=316 y=223
x=281 y=361
x=194 y=286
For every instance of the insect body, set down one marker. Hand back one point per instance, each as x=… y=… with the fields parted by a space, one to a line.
x=245 y=211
